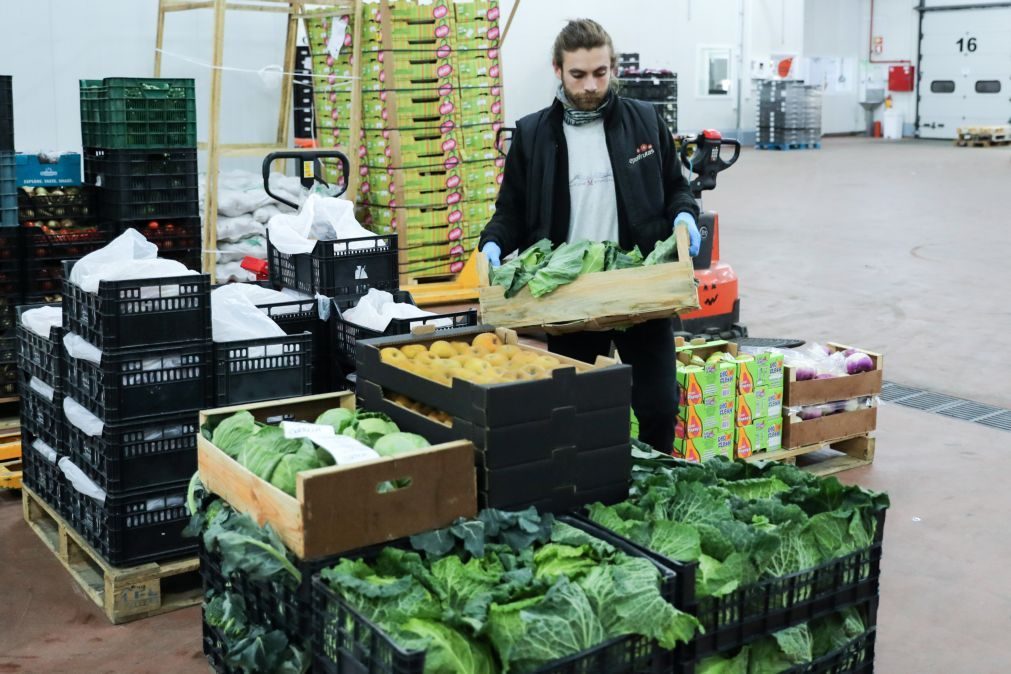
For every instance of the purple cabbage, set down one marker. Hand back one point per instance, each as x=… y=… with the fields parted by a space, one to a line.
x=859 y=362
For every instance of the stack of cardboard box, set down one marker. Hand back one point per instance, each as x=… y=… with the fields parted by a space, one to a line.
x=729 y=406
x=431 y=111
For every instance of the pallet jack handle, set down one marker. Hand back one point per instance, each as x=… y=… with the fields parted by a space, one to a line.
x=703 y=155
x=310 y=169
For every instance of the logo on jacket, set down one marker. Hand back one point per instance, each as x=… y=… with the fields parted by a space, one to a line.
x=641 y=152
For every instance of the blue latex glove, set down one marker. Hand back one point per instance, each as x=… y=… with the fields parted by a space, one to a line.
x=494 y=253
x=694 y=237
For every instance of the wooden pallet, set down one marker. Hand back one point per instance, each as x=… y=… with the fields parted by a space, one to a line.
x=826 y=458
x=123 y=594
x=10 y=464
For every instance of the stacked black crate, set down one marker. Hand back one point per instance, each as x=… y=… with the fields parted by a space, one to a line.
x=138 y=364
x=57 y=223
x=11 y=268
x=40 y=376
x=140 y=153
x=655 y=86
x=789 y=115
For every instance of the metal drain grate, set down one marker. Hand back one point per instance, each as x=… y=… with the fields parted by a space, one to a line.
x=927 y=401
x=946 y=405
x=1001 y=421
x=892 y=392
x=969 y=411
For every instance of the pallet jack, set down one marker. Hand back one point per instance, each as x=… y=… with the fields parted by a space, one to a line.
x=706 y=154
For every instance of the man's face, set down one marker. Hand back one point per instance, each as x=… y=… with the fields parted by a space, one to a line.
x=586 y=76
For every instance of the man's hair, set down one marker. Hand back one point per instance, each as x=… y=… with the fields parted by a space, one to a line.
x=582 y=34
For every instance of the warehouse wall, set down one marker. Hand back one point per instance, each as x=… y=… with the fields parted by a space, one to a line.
x=841 y=29
x=119 y=40
x=49 y=45
x=666 y=35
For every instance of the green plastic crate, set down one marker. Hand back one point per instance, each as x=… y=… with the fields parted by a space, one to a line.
x=138 y=113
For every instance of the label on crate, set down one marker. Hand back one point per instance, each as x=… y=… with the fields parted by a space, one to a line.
x=343 y=449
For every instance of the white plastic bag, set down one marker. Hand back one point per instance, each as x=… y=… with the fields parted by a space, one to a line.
x=45 y=450
x=42 y=388
x=376 y=309
x=80 y=348
x=41 y=320
x=239 y=227
x=319 y=219
x=233 y=271
x=234 y=317
x=80 y=481
x=251 y=246
x=128 y=256
x=82 y=418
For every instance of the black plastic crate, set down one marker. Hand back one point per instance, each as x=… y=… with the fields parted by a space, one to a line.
x=141 y=527
x=42 y=417
x=8 y=190
x=142 y=454
x=139 y=313
x=121 y=390
x=40 y=475
x=855 y=657
x=40 y=356
x=338 y=268
x=55 y=245
x=262 y=369
x=154 y=204
x=43 y=277
x=58 y=203
x=169 y=234
x=8 y=349
x=296 y=317
x=127 y=170
x=769 y=605
x=345 y=335
x=9 y=378
x=344 y=641
x=284 y=606
x=214 y=646
x=6 y=114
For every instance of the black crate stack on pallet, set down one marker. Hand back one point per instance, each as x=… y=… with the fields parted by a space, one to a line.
x=11 y=277
x=789 y=115
x=655 y=86
x=135 y=415
x=43 y=430
x=140 y=153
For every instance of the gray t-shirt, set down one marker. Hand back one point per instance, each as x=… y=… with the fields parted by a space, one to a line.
x=594 y=206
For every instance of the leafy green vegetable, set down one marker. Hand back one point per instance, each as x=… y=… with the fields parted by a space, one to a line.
x=527 y=635
x=227 y=613
x=515 y=586
x=368 y=427
x=595 y=258
x=399 y=442
x=232 y=433
x=337 y=417
x=740 y=522
x=783 y=650
x=664 y=251
x=290 y=465
x=515 y=274
x=616 y=258
x=447 y=651
x=721 y=664
x=564 y=266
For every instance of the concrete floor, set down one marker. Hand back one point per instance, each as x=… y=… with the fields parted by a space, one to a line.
x=894 y=247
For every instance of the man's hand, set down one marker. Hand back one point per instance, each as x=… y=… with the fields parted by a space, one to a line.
x=694 y=237
x=494 y=253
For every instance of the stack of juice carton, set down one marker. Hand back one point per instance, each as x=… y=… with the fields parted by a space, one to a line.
x=730 y=404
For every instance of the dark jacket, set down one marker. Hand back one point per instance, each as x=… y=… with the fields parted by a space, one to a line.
x=533 y=202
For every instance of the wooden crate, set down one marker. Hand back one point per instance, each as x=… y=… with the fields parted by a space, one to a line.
x=598 y=301
x=338 y=508
x=826 y=458
x=123 y=594
x=800 y=433
x=818 y=391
